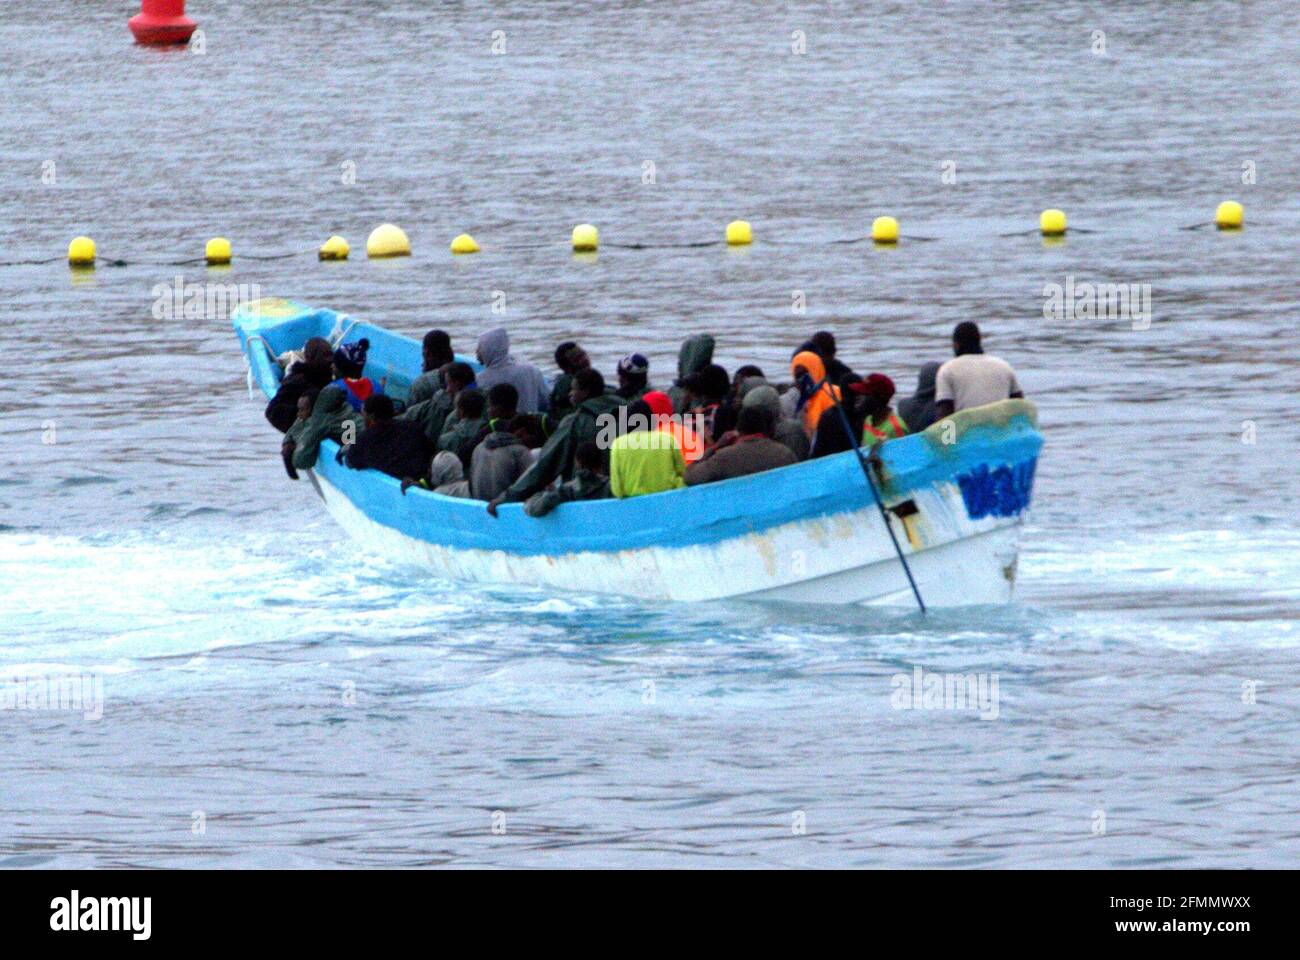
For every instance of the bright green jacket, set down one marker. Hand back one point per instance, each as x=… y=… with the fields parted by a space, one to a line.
x=645 y=461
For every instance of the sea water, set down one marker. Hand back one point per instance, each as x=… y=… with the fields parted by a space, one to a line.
x=251 y=689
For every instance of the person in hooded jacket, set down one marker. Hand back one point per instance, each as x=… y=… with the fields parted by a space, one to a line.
x=502 y=407
x=464 y=425
x=816 y=394
x=498 y=460
x=350 y=365
x=331 y=418
x=695 y=354
x=435 y=353
x=918 y=411
x=500 y=367
x=706 y=392
x=432 y=413
x=590 y=482
x=446 y=475
x=398 y=448
x=757 y=392
x=310 y=374
x=748 y=449
x=595 y=412
x=823 y=343
x=645 y=459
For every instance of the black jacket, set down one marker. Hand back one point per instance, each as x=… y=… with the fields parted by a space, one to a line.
x=398 y=448
x=282 y=411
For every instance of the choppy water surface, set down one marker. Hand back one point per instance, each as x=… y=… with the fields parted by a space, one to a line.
x=308 y=705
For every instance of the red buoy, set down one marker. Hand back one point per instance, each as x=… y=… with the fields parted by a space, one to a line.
x=161 y=22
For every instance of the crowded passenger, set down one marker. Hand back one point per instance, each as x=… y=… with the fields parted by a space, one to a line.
x=880 y=422
x=350 y=368
x=918 y=410
x=464 y=424
x=590 y=482
x=750 y=448
x=398 y=448
x=313 y=372
x=696 y=353
x=498 y=460
x=435 y=353
x=331 y=418
x=972 y=377
x=591 y=405
x=432 y=413
x=570 y=358
x=474 y=435
x=633 y=377
x=706 y=391
x=500 y=367
x=646 y=459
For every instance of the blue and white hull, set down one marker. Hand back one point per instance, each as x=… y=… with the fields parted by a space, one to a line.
x=956 y=496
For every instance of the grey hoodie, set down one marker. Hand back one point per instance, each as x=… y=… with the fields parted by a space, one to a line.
x=497 y=462
x=918 y=410
x=447 y=476
x=757 y=392
x=500 y=367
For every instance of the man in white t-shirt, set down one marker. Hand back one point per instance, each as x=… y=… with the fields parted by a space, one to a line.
x=972 y=378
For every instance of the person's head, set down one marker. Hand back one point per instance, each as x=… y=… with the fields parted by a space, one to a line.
x=823 y=342
x=809 y=363
x=470 y=404
x=306 y=403
x=571 y=358
x=966 y=338
x=876 y=391
x=764 y=395
x=755 y=419
x=709 y=384
x=502 y=401
x=927 y=377
x=493 y=346
x=589 y=456
x=436 y=350
x=317 y=350
x=445 y=468
x=742 y=374
x=639 y=416
x=378 y=408
x=587 y=383
x=660 y=404
x=528 y=428
x=350 y=359
x=633 y=373
x=457 y=376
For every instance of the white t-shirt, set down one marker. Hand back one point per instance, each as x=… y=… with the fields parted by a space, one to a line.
x=974 y=379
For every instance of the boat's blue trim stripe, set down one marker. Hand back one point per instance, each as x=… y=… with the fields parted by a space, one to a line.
x=692 y=516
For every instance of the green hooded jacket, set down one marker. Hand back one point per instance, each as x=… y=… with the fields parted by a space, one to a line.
x=423 y=387
x=557 y=456
x=695 y=354
x=456 y=432
x=328 y=417
x=431 y=413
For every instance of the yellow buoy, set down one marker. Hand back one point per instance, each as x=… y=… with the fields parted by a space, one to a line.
x=739 y=233
x=1229 y=215
x=335 y=248
x=387 y=240
x=1052 y=223
x=217 y=251
x=884 y=230
x=464 y=243
x=81 y=252
x=585 y=237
